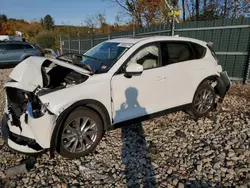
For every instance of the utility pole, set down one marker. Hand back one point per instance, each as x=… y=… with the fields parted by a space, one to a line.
x=133 y=27
x=109 y=32
x=173 y=14
x=60 y=50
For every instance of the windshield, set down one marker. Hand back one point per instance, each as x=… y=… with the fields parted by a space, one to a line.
x=103 y=56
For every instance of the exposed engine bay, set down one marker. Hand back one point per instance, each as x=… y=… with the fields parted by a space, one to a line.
x=59 y=76
x=53 y=76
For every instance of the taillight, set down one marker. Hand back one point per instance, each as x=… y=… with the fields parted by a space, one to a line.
x=40 y=52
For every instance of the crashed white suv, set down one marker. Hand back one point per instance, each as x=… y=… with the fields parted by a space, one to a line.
x=66 y=104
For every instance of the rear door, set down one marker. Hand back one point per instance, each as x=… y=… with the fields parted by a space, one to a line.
x=14 y=52
x=180 y=62
x=3 y=58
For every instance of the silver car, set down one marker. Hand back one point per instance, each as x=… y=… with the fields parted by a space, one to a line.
x=13 y=52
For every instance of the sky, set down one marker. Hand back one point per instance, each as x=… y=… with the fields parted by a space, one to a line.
x=71 y=12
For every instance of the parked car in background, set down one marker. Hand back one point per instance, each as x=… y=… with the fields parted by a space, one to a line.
x=10 y=38
x=68 y=103
x=49 y=52
x=13 y=52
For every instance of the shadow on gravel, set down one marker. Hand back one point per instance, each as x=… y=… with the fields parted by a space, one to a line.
x=135 y=153
x=135 y=156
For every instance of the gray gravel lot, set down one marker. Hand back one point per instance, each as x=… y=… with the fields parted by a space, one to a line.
x=170 y=151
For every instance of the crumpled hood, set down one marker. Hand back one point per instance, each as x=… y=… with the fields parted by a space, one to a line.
x=29 y=71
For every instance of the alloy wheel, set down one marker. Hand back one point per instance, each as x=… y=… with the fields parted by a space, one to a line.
x=203 y=101
x=79 y=134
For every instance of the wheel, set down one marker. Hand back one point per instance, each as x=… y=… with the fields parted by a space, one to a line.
x=80 y=134
x=203 y=102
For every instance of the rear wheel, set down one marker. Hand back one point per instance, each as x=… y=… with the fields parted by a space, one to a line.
x=203 y=102
x=80 y=134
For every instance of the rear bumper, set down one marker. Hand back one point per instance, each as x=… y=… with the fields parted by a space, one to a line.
x=17 y=142
x=223 y=85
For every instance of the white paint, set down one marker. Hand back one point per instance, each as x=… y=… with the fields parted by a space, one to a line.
x=21 y=148
x=219 y=68
x=97 y=87
x=39 y=129
x=140 y=95
x=153 y=90
x=42 y=128
x=28 y=72
x=134 y=68
x=21 y=85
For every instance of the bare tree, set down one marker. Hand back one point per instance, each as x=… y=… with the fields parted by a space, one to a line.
x=225 y=8
x=102 y=21
x=118 y=21
x=197 y=7
x=132 y=8
x=183 y=10
x=91 y=22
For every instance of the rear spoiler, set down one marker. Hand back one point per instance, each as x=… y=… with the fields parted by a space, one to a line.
x=210 y=44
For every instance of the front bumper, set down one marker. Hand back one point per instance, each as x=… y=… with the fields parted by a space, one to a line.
x=16 y=142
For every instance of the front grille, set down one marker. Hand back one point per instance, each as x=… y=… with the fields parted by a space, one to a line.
x=16 y=104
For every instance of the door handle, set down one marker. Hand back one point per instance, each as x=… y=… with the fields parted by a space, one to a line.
x=161 y=78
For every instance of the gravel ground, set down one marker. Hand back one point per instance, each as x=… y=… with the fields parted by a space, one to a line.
x=170 y=151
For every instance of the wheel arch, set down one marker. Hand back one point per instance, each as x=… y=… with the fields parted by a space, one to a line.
x=25 y=56
x=212 y=77
x=220 y=88
x=94 y=105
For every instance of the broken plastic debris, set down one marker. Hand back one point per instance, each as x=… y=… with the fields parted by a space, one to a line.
x=23 y=168
x=86 y=170
x=16 y=170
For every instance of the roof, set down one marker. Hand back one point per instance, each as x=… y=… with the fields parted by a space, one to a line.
x=125 y=40
x=150 y=38
x=14 y=41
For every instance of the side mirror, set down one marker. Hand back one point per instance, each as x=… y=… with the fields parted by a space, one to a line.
x=134 y=68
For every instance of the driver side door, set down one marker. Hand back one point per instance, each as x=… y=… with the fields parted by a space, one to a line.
x=139 y=94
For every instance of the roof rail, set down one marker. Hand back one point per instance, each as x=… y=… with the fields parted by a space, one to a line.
x=12 y=41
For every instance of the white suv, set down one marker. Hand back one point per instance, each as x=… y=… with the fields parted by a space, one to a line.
x=66 y=104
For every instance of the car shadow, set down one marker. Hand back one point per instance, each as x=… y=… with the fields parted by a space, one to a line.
x=135 y=153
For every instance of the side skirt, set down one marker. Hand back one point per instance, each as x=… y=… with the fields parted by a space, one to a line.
x=148 y=116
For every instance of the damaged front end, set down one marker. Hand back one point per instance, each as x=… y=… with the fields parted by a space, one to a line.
x=27 y=124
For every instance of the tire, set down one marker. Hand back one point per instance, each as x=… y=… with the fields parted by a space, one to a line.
x=203 y=101
x=85 y=141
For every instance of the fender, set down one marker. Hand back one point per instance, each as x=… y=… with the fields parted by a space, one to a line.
x=220 y=87
x=26 y=55
x=213 y=77
x=90 y=103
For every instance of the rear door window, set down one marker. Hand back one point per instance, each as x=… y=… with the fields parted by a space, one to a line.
x=199 y=51
x=2 y=47
x=27 y=46
x=175 y=52
x=15 y=46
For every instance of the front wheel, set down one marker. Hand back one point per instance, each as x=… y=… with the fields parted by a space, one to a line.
x=203 y=102
x=80 y=134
